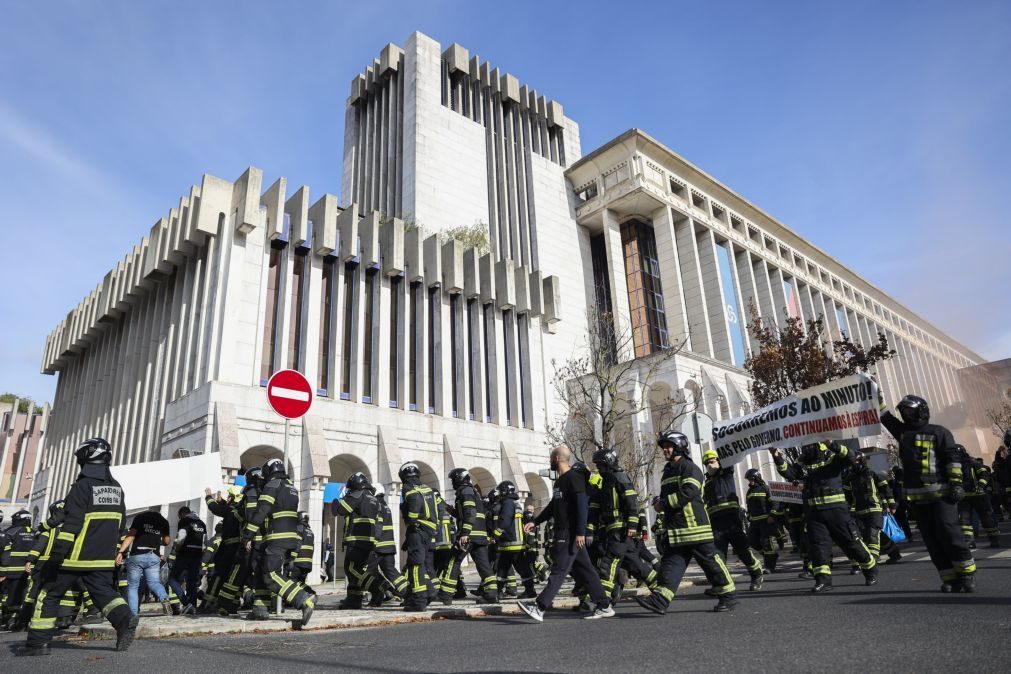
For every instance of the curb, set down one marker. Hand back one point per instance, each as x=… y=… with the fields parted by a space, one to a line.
x=159 y=627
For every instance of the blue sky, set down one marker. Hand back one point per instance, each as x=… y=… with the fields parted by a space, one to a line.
x=879 y=131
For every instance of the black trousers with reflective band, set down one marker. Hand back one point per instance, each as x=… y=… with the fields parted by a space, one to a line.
x=479 y=554
x=942 y=534
x=419 y=583
x=727 y=532
x=270 y=578
x=100 y=585
x=828 y=525
x=675 y=561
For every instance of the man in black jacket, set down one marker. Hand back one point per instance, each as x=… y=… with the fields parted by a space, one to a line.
x=932 y=476
x=719 y=493
x=189 y=548
x=471 y=539
x=360 y=511
x=86 y=554
x=569 y=509
x=420 y=513
x=230 y=511
x=15 y=545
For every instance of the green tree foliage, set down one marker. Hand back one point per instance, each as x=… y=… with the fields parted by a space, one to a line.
x=24 y=402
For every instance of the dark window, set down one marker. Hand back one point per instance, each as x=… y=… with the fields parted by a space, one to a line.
x=433 y=317
x=350 y=283
x=326 y=324
x=645 y=294
x=509 y=341
x=602 y=294
x=370 y=300
x=523 y=351
x=473 y=351
x=489 y=328
x=412 y=356
x=454 y=343
x=296 y=318
x=267 y=363
x=394 y=341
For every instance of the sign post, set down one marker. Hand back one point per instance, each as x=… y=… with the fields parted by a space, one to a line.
x=699 y=428
x=290 y=395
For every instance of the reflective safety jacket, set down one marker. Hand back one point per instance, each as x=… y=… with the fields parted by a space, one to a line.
x=419 y=509
x=15 y=546
x=470 y=515
x=685 y=519
x=615 y=506
x=95 y=521
x=984 y=480
x=303 y=559
x=930 y=464
x=443 y=538
x=759 y=503
x=719 y=493
x=385 y=544
x=231 y=515
x=823 y=488
x=360 y=511
x=276 y=515
x=250 y=500
x=45 y=537
x=509 y=527
x=211 y=549
x=867 y=492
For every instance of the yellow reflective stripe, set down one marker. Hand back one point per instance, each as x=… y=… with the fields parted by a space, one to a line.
x=88 y=518
x=65 y=536
x=268 y=498
x=87 y=564
x=284 y=513
x=108 y=608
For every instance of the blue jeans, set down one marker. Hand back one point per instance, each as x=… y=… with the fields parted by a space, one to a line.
x=188 y=567
x=148 y=565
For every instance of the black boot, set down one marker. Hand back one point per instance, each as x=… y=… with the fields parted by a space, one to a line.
x=969 y=583
x=377 y=599
x=353 y=602
x=445 y=598
x=126 y=633
x=756 y=581
x=822 y=584
x=728 y=602
x=26 y=650
x=995 y=541
x=871 y=576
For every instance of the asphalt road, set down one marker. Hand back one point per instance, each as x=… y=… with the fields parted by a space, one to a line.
x=904 y=624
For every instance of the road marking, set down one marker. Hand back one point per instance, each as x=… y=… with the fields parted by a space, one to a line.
x=1004 y=554
x=920 y=558
x=289 y=393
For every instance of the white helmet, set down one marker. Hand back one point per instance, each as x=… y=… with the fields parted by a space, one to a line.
x=380 y=491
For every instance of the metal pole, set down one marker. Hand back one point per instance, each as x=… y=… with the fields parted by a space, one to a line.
x=287 y=425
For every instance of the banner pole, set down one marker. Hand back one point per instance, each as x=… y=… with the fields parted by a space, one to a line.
x=287 y=425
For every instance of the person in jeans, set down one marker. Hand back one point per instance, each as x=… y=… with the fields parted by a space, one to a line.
x=569 y=508
x=147 y=534
x=189 y=549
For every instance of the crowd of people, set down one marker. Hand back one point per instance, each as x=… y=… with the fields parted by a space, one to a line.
x=86 y=561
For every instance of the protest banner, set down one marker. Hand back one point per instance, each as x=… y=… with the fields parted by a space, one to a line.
x=171 y=481
x=785 y=492
x=839 y=410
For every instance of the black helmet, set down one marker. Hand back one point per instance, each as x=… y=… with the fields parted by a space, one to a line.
x=409 y=471
x=1007 y=438
x=253 y=476
x=506 y=488
x=21 y=517
x=914 y=410
x=358 y=481
x=94 y=450
x=218 y=527
x=492 y=496
x=961 y=452
x=679 y=441
x=606 y=458
x=57 y=506
x=459 y=477
x=273 y=468
x=754 y=475
x=303 y=517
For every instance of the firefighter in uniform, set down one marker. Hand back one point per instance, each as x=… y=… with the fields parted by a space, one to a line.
x=445 y=534
x=276 y=518
x=868 y=495
x=975 y=482
x=85 y=552
x=471 y=539
x=229 y=594
x=932 y=472
x=689 y=534
x=508 y=532
x=826 y=512
x=302 y=564
x=37 y=558
x=719 y=493
x=383 y=561
x=419 y=512
x=614 y=509
x=360 y=511
x=230 y=511
x=761 y=529
x=15 y=545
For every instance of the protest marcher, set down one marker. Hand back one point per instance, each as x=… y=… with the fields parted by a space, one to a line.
x=189 y=549
x=148 y=533
x=719 y=493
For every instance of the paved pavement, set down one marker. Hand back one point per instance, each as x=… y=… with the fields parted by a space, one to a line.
x=903 y=624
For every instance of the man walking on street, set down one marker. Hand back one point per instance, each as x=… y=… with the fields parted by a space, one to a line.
x=147 y=534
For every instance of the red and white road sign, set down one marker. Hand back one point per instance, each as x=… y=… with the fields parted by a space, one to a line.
x=289 y=393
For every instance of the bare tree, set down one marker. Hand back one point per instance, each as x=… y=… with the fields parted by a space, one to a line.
x=602 y=396
x=1000 y=419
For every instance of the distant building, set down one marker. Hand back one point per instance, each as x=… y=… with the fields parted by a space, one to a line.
x=986 y=387
x=21 y=438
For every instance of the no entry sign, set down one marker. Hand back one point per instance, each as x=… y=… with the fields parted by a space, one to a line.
x=289 y=393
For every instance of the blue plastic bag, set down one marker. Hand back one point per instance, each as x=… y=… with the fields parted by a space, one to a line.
x=893 y=530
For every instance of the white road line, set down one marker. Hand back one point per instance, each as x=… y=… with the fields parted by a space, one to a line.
x=289 y=393
x=1003 y=554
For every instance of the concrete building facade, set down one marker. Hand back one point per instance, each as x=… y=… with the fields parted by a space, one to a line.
x=421 y=348
x=21 y=436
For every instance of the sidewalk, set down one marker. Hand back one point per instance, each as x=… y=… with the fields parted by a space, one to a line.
x=326 y=616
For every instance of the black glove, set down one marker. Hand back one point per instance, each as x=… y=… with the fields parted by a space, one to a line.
x=956 y=494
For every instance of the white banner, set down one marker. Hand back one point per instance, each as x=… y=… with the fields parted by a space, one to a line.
x=839 y=410
x=785 y=492
x=172 y=481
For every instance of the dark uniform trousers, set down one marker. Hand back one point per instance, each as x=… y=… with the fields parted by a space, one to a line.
x=14 y=589
x=224 y=561
x=834 y=524
x=243 y=566
x=384 y=565
x=870 y=526
x=942 y=534
x=727 y=532
x=762 y=536
x=356 y=571
x=514 y=559
x=270 y=579
x=675 y=561
x=419 y=583
x=100 y=586
x=618 y=551
x=981 y=506
x=479 y=553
